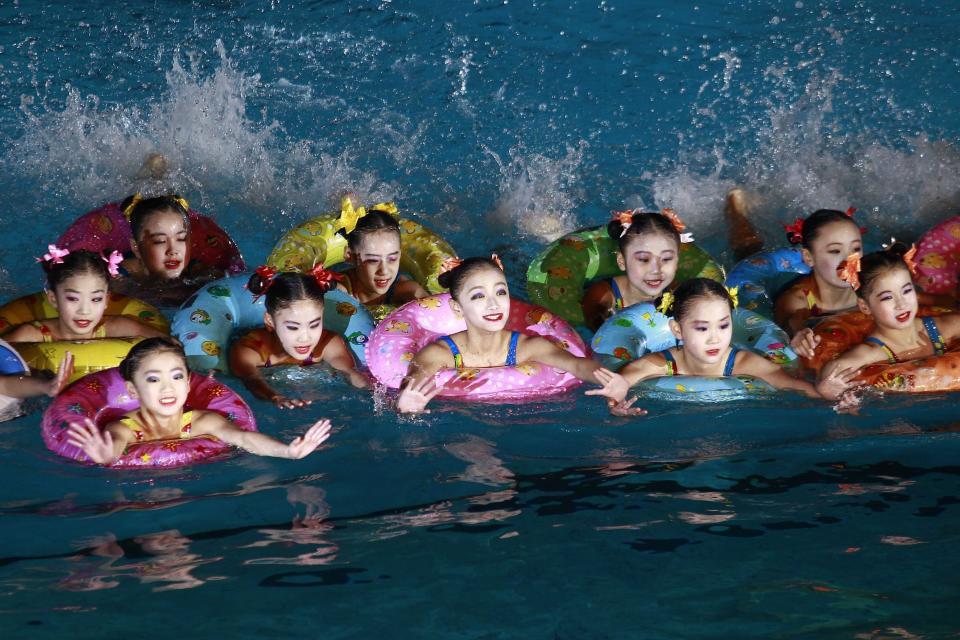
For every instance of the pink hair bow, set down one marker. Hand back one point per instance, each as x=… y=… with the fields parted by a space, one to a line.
x=113 y=263
x=54 y=254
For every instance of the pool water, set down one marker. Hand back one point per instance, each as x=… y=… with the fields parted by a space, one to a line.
x=502 y=125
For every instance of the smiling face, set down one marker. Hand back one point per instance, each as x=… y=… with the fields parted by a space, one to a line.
x=298 y=326
x=834 y=242
x=377 y=260
x=484 y=300
x=706 y=329
x=164 y=245
x=892 y=299
x=650 y=261
x=161 y=383
x=80 y=300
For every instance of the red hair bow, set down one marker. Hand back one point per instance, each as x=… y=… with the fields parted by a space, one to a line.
x=324 y=277
x=450 y=263
x=795 y=231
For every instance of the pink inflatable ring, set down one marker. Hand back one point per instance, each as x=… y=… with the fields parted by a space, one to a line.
x=102 y=396
x=106 y=229
x=416 y=324
x=938 y=257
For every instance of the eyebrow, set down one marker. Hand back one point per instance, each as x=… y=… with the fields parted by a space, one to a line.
x=174 y=370
x=81 y=292
x=501 y=282
x=298 y=323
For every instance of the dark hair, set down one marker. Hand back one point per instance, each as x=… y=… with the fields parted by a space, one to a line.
x=143 y=209
x=643 y=223
x=454 y=279
x=814 y=223
x=694 y=289
x=375 y=220
x=286 y=288
x=144 y=348
x=876 y=264
x=75 y=263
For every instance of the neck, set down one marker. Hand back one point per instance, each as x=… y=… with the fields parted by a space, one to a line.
x=66 y=334
x=832 y=297
x=166 y=425
x=362 y=291
x=483 y=342
x=632 y=295
x=694 y=367
x=905 y=338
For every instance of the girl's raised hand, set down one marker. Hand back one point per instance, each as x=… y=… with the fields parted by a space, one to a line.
x=284 y=402
x=414 y=397
x=97 y=444
x=805 y=343
x=308 y=442
x=64 y=371
x=615 y=386
x=625 y=408
x=836 y=382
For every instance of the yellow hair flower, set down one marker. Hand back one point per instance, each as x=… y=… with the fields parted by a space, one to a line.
x=350 y=215
x=733 y=295
x=666 y=301
x=133 y=202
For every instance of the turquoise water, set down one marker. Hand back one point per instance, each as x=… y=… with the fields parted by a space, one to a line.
x=505 y=125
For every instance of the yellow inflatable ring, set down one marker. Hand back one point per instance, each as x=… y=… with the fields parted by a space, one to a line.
x=422 y=252
x=89 y=355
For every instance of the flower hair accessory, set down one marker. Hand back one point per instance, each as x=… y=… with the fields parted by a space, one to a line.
x=795 y=231
x=674 y=219
x=113 y=263
x=732 y=292
x=324 y=277
x=908 y=260
x=128 y=210
x=625 y=218
x=849 y=270
x=180 y=200
x=450 y=263
x=350 y=215
x=666 y=302
x=261 y=280
x=54 y=254
x=496 y=260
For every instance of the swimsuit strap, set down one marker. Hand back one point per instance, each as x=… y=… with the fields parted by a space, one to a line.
x=133 y=425
x=671 y=363
x=100 y=332
x=512 y=351
x=891 y=356
x=731 y=361
x=457 y=357
x=617 y=296
x=186 y=424
x=811 y=300
x=934 y=334
x=45 y=334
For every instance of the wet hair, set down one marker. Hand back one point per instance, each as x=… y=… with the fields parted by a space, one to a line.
x=695 y=289
x=144 y=209
x=814 y=224
x=879 y=263
x=375 y=220
x=456 y=277
x=644 y=223
x=161 y=344
x=75 y=263
x=286 y=288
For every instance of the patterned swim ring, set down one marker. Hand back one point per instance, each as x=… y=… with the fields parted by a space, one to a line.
x=925 y=375
x=89 y=355
x=938 y=258
x=316 y=241
x=207 y=320
x=11 y=364
x=557 y=278
x=416 y=324
x=103 y=397
x=641 y=329
x=759 y=277
x=106 y=229
x=699 y=388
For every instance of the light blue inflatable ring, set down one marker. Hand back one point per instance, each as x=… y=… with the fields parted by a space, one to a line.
x=641 y=329
x=207 y=320
x=716 y=388
x=759 y=277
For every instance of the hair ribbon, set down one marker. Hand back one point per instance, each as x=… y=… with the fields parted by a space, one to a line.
x=625 y=218
x=795 y=231
x=908 y=260
x=324 y=277
x=54 y=254
x=113 y=263
x=496 y=260
x=128 y=211
x=450 y=263
x=849 y=270
x=666 y=301
x=732 y=292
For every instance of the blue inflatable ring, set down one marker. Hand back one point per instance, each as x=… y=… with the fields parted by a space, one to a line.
x=207 y=320
x=759 y=277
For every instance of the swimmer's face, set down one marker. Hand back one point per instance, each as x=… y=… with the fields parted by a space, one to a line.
x=164 y=245
x=161 y=383
x=298 y=327
x=484 y=300
x=377 y=260
x=650 y=261
x=892 y=299
x=80 y=300
x=833 y=244
x=706 y=330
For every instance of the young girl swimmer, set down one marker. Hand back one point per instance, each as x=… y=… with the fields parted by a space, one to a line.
x=885 y=290
x=373 y=248
x=478 y=290
x=157 y=375
x=293 y=333
x=649 y=246
x=702 y=311
x=78 y=285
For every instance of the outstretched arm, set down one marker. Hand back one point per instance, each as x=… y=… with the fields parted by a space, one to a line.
x=538 y=349
x=418 y=388
x=338 y=356
x=103 y=447
x=245 y=363
x=24 y=385
x=212 y=423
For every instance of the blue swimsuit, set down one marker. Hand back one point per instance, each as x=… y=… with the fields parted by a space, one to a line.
x=458 y=357
x=727 y=368
x=932 y=332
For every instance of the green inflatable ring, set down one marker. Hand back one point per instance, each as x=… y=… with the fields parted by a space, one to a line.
x=557 y=278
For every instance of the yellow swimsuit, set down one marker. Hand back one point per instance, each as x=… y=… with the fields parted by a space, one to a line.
x=134 y=425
